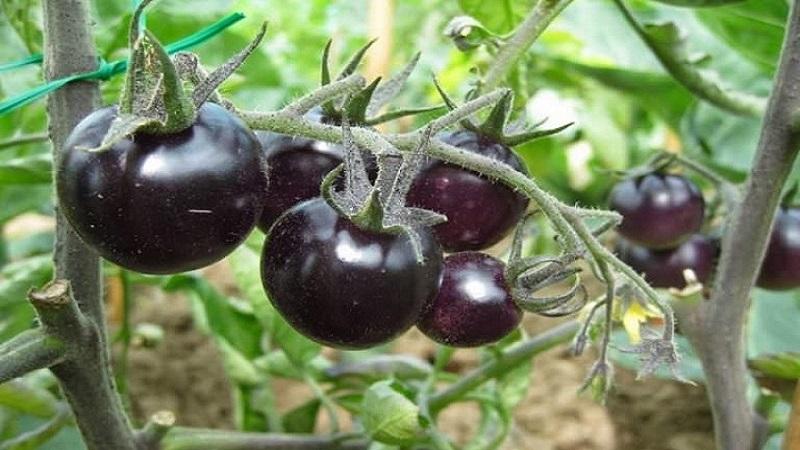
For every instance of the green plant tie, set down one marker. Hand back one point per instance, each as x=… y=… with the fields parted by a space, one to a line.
x=106 y=70
x=36 y=58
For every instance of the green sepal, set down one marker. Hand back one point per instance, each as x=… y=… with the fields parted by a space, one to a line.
x=495 y=123
x=526 y=136
x=396 y=114
x=355 y=60
x=153 y=89
x=325 y=75
x=356 y=108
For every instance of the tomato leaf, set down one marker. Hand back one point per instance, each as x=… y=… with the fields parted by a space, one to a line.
x=388 y=416
x=303 y=418
x=34 y=169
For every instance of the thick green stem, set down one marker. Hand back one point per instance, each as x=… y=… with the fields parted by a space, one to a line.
x=524 y=36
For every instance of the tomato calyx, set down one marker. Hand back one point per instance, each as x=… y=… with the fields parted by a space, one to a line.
x=363 y=108
x=379 y=206
x=154 y=100
x=496 y=126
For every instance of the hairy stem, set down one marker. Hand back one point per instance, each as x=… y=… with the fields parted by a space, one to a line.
x=716 y=328
x=85 y=376
x=526 y=33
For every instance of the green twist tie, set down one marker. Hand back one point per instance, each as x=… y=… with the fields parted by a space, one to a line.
x=36 y=58
x=106 y=70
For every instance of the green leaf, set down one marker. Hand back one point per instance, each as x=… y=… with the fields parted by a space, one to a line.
x=216 y=314
x=669 y=44
x=772 y=327
x=388 y=416
x=33 y=169
x=754 y=28
x=500 y=16
x=239 y=369
x=699 y=3
x=303 y=418
x=16 y=279
x=22 y=396
x=781 y=365
x=18 y=199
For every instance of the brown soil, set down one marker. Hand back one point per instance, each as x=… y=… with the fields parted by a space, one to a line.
x=183 y=374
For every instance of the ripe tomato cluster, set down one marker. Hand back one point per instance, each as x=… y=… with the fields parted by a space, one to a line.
x=662 y=215
x=350 y=287
x=661 y=218
x=169 y=203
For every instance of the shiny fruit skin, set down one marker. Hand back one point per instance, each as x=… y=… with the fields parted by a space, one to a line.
x=479 y=212
x=658 y=210
x=297 y=167
x=780 y=269
x=473 y=306
x=344 y=286
x=664 y=268
x=163 y=203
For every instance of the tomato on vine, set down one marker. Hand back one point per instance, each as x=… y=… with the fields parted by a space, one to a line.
x=480 y=212
x=163 y=203
x=658 y=210
x=356 y=268
x=474 y=306
x=780 y=269
x=664 y=268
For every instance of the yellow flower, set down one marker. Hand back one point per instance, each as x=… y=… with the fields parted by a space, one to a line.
x=633 y=317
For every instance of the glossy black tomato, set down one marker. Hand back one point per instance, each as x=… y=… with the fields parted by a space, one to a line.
x=342 y=285
x=479 y=212
x=664 y=268
x=163 y=203
x=297 y=167
x=474 y=306
x=781 y=267
x=658 y=210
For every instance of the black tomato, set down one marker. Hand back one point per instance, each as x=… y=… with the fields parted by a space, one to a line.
x=474 y=306
x=781 y=267
x=479 y=212
x=664 y=268
x=658 y=210
x=163 y=203
x=296 y=169
x=342 y=285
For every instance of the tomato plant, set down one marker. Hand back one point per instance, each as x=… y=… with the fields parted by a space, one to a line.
x=299 y=213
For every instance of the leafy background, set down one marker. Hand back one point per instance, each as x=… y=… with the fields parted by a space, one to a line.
x=589 y=67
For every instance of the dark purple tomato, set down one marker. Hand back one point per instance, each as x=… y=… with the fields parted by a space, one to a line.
x=479 y=212
x=474 y=306
x=664 y=268
x=163 y=203
x=342 y=285
x=658 y=210
x=296 y=169
x=781 y=267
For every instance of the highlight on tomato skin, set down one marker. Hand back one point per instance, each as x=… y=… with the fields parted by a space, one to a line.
x=344 y=286
x=163 y=204
x=664 y=268
x=658 y=210
x=780 y=269
x=473 y=306
x=480 y=212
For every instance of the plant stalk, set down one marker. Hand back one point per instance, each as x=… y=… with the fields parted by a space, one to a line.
x=524 y=36
x=85 y=376
x=716 y=327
